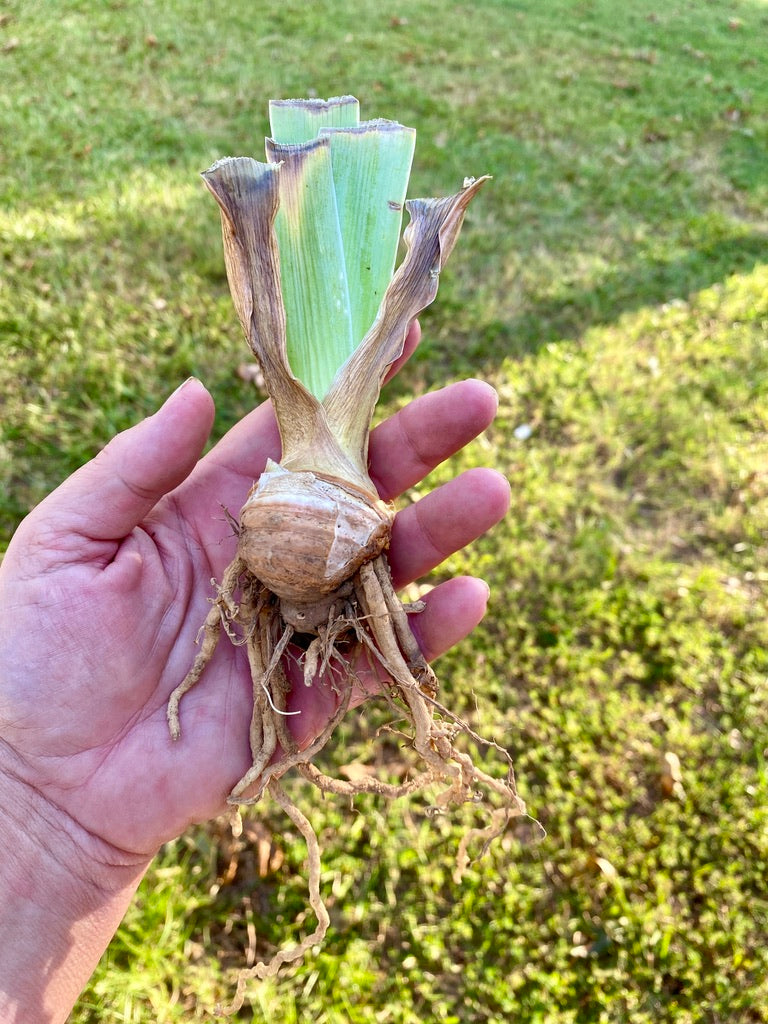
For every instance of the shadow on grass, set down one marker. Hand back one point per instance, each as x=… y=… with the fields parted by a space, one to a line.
x=483 y=344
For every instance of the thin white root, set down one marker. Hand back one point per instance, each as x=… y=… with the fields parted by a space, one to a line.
x=293 y=758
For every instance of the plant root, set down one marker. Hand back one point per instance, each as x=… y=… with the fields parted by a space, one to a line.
x=287 y=956
x=366 y=622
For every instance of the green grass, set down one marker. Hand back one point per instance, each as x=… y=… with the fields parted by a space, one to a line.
x=611 y=283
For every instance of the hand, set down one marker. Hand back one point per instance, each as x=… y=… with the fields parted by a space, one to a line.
x=102 y=591
x=107 y=582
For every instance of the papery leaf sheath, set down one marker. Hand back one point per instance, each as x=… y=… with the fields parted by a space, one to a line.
x=248 y=193
x=429 y=237
x=331 y=437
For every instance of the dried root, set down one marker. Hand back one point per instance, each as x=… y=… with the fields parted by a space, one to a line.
x=369 y=613
x=286 y=956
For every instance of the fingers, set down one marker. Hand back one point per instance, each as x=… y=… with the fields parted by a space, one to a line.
x=451 y=612
x=446 y=520
x=109 y=496
x=412 y=339
x=426 y=432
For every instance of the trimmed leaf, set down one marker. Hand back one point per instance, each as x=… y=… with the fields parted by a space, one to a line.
x=295 y=257
x=312 y=266
x=247 y=194
x=371 y=166
x=296 y=121
x=338 y=226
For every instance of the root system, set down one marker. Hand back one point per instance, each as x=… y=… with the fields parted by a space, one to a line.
x=366 y=625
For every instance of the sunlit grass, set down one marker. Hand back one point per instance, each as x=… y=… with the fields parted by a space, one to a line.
x=611 y=283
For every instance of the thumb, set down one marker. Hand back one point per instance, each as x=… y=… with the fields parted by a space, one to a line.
x=106 y=498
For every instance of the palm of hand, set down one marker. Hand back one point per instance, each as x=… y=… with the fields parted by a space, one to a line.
x=103 y=611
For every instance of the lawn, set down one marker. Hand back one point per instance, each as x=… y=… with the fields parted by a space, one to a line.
x=612 y=284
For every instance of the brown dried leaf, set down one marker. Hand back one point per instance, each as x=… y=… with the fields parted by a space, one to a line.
x=430 y=237
x=247 y=192
x=606 y=868
x=672 y=776
x=269 y=858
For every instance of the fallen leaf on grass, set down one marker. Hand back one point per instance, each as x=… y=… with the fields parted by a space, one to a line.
x=672 y=776
x=606 y=868
x=269 y=858
x=693 y=52
x=652 y=134
x=645 y=56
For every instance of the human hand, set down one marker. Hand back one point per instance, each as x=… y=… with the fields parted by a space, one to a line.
x=102 y=591
x=107 y=582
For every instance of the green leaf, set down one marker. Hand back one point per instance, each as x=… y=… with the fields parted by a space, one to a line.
x=342 y=191
x=295 y=121
x=371 y=166
x=312 y=268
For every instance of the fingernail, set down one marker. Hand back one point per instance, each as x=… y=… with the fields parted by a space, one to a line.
x=181 y=386
x=184 y=384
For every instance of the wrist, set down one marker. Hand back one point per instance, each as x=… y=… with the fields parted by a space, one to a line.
x=63 y=893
